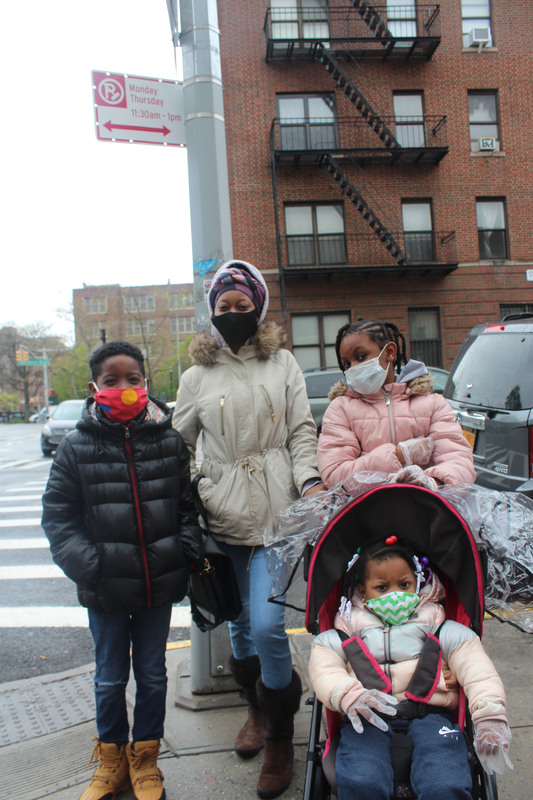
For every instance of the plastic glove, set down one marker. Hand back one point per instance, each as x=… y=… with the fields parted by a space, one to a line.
x=415 y=475
x=491 y=740
x=368 y=700
x=417 y=451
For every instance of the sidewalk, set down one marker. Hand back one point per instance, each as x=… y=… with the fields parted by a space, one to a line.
x=47 y=725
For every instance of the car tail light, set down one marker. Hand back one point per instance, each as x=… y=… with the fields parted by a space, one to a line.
x=493 y=328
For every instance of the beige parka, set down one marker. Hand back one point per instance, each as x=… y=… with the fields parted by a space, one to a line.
x=259 y=438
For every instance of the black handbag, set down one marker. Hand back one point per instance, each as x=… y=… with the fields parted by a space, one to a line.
x=213 y=590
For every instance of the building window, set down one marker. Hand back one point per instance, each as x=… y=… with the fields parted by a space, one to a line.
x=313 y=338
x=93 y=330
x=299 y=19
x=515 y=308
x=476 y=22
x=401 y=20
x=315 y=234
x=307 y=122
x=491 y=228
x=424 y=335
x=483 y=115
x=418 y=236
x=139 y=302
x=182 y=325
x=409 y=119
x=136 y=327
x=95 y=305
x=180 y=300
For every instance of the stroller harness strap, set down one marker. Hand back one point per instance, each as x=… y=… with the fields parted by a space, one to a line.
x=423 y=681
x=363 y=663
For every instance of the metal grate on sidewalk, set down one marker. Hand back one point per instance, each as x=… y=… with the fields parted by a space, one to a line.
x=44 y=708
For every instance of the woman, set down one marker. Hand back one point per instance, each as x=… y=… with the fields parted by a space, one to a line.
x=247 y=397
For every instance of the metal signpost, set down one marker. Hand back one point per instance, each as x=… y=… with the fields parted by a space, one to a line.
x=132 y=109
x=128 y=108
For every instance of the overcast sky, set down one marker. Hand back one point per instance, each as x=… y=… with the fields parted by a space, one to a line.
x=76 y=210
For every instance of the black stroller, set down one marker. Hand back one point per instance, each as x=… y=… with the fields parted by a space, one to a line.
x=426 y=523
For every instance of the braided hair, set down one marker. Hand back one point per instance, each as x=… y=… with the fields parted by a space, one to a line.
x=379 y=332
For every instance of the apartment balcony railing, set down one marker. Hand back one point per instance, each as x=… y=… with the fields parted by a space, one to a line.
x=420 y=139
x=361 y=30
x=364 y=252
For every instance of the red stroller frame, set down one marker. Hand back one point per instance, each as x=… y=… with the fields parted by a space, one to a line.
x=429 y=526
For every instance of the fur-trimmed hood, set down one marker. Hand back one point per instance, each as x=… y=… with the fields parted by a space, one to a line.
x=270 y=337
x=421 y=385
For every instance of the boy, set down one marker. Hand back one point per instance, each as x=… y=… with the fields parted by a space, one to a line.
x=119 y=514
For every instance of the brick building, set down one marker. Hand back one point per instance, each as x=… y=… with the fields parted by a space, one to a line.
x=379 y=163
x=158 y=319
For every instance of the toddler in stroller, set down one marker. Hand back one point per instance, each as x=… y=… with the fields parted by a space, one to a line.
x=388 y=626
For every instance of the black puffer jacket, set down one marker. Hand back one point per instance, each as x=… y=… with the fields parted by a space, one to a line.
x=119 y=512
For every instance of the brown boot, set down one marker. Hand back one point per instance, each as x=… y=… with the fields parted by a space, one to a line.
x=251 y=738
x=146 y=777
x=275 y=775
x=111 y=776
x=279 y=707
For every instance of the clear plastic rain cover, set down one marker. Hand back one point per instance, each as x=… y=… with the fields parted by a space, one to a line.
x=502 y=520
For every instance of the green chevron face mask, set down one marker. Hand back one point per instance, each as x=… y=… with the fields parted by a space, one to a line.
x=394 y=608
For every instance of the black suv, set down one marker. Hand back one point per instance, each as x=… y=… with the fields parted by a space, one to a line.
x=490 y=386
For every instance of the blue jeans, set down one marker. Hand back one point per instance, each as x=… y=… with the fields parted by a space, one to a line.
x=260 y=627
x=146 y=632
x=439 y=769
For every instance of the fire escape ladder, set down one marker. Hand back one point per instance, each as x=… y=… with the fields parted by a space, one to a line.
x=371 y=218
x=372 y=18
x=342 y=80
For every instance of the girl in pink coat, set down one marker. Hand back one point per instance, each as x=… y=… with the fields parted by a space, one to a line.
x=385 y=417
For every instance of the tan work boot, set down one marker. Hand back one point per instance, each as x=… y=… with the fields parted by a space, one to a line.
x=146 y=778
x=111 y=776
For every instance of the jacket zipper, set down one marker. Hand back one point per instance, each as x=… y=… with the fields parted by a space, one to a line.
x=138 y=515
x=391 y=418
x=386 y=652
x=222 y=401
x=269 y=402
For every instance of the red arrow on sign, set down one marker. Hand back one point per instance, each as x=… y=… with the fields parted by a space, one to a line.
x=110 y=126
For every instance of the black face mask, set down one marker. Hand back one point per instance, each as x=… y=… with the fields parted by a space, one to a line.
x=236 y=327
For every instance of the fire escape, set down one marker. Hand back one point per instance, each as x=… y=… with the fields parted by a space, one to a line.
x=339 y=40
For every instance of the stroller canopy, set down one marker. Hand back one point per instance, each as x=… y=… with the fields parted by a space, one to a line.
x=424 y=522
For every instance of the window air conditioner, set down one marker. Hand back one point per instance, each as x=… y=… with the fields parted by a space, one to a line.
x=480 y=36
x=487 y=143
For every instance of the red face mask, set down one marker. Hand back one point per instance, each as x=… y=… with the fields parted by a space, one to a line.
x=121 y=405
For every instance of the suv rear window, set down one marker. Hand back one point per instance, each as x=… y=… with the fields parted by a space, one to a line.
x=494 y=370
x=319 y=385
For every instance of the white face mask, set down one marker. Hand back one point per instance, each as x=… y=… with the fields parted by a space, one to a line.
x=368 y=377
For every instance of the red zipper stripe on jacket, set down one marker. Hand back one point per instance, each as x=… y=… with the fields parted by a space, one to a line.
x=139 y=521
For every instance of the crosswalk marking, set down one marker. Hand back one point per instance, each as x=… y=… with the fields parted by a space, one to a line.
x=65 y=617
x=42 y=616
x=20 y=497
x=31 y=572
x=24 y=544
x=21 y=509
x=30 y=486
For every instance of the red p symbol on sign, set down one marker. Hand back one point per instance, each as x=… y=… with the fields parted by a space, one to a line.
x=109 y=90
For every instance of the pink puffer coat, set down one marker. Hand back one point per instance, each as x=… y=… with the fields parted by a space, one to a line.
x=360 y=433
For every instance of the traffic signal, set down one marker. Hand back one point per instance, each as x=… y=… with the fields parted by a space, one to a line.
x=21 y=355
